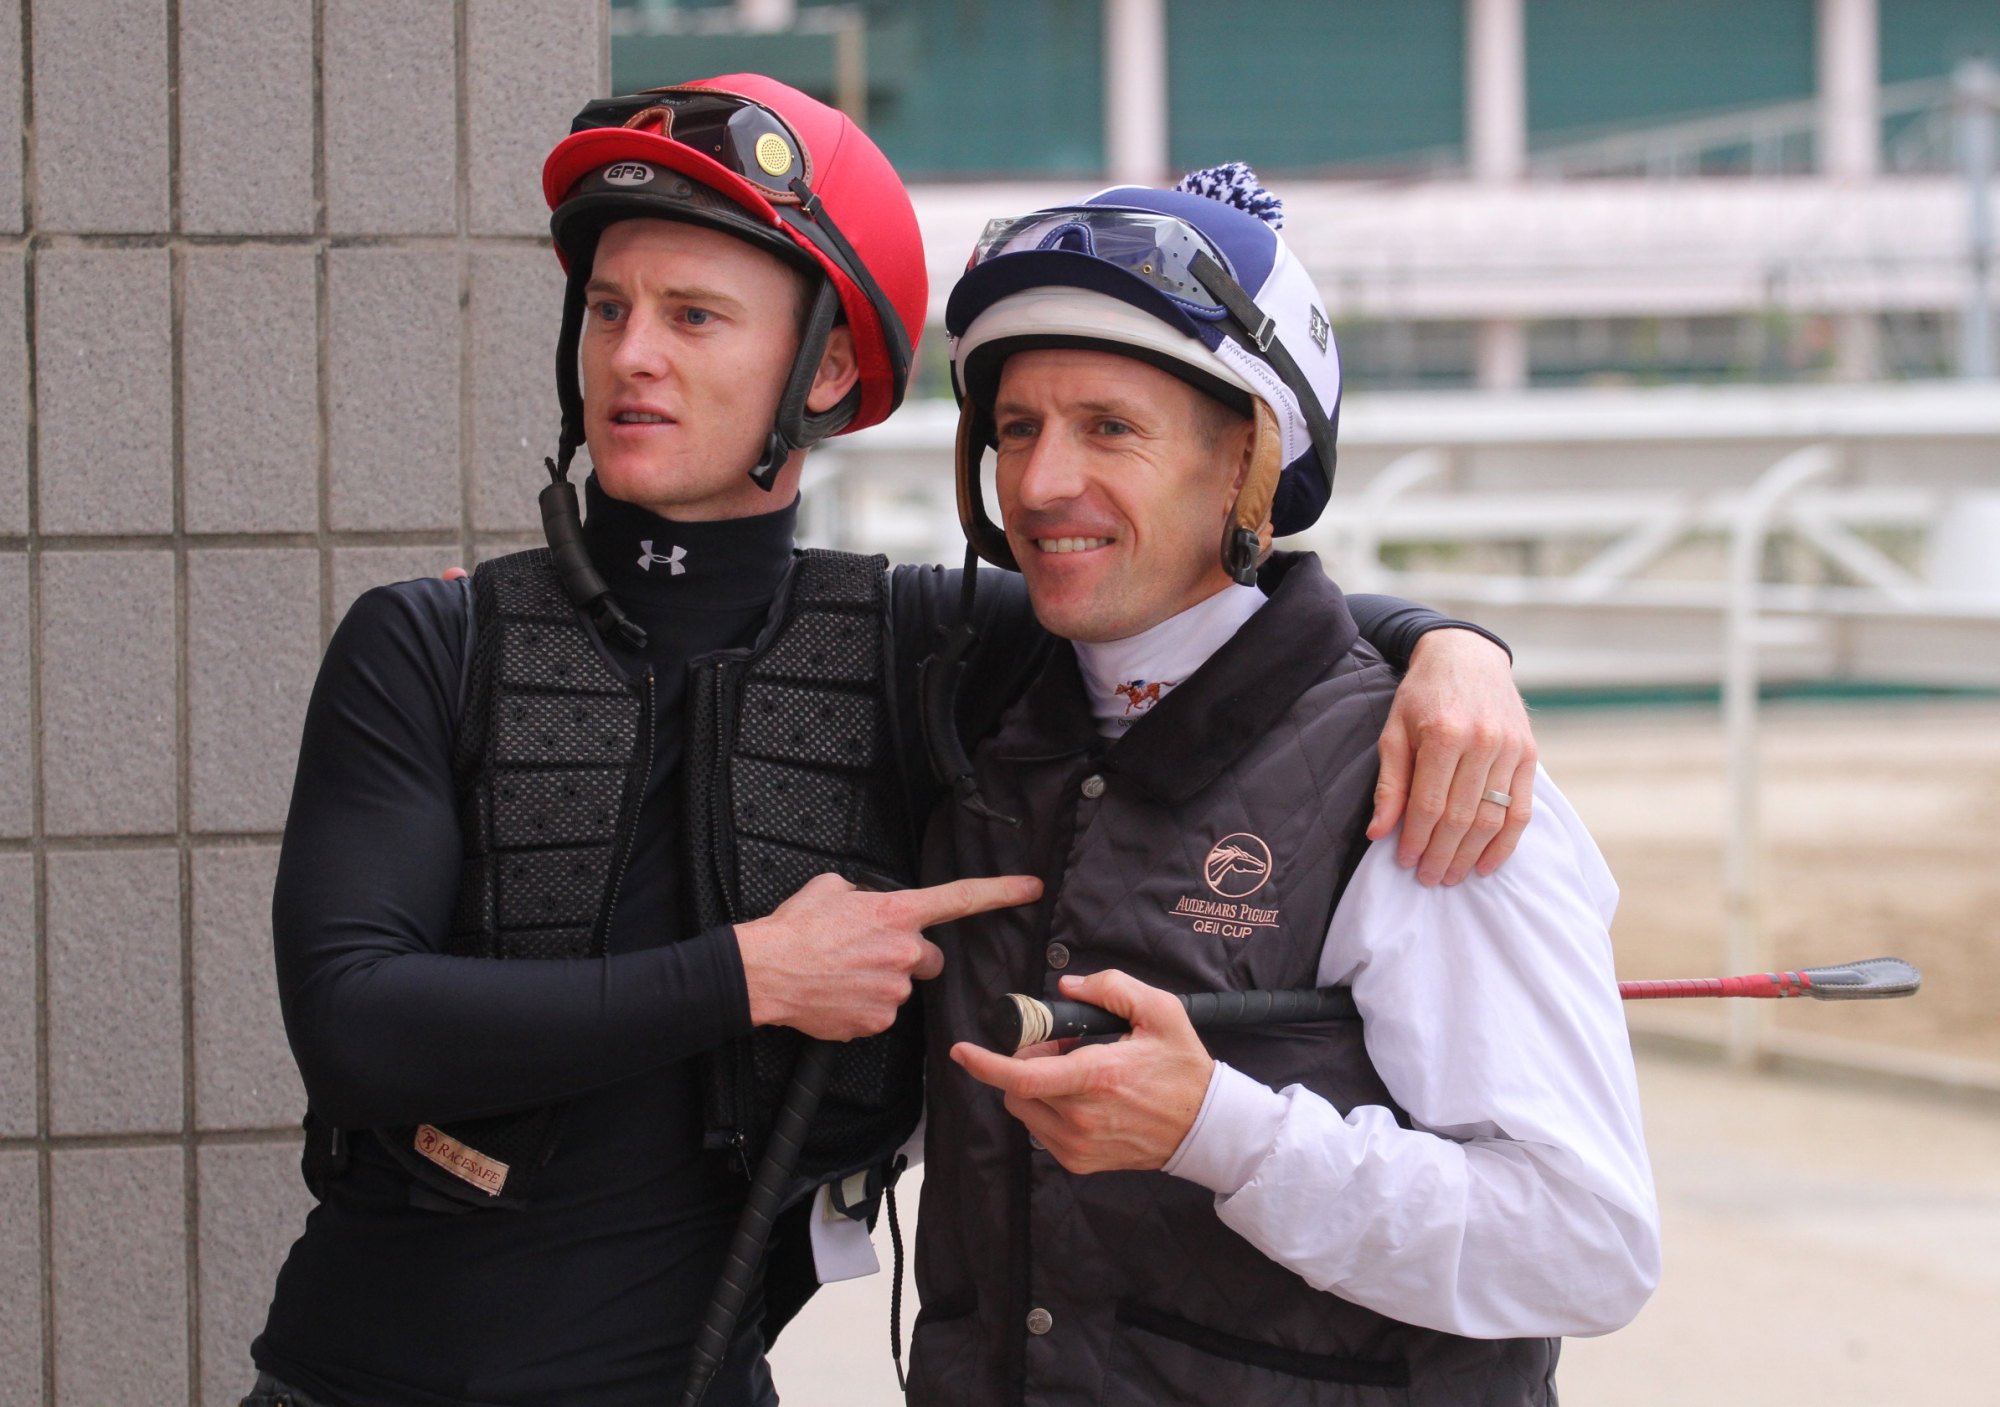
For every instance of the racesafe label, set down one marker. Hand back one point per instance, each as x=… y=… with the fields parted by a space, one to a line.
x=489 y=1175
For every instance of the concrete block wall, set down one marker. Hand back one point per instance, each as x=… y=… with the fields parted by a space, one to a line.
x=277 y=315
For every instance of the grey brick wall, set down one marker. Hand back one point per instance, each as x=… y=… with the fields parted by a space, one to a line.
x=287 y=339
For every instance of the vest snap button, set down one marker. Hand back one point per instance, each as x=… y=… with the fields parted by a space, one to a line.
x=1058 y=955
x=1040 y=1321
x=1093 y=786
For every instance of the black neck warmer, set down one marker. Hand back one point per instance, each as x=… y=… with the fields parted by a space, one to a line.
x=658 y=567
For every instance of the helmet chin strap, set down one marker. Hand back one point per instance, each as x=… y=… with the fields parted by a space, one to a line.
x=1243 y=544
x=562 y=523
x=982 y=535
x=796 y=425
x=777 y=449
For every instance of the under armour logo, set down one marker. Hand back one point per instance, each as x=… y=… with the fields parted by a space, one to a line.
x=673 y=558
x=1318 y=328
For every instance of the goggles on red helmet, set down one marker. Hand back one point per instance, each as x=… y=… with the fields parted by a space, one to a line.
x=745 y=137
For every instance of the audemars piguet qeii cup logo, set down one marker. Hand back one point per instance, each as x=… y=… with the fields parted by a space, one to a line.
x=1237 y=866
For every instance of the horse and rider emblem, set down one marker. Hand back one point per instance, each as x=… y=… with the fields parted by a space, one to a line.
x=1142 y=694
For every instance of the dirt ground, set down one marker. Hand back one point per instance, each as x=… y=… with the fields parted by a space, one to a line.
x=1881 y=824
x=1804 y=1263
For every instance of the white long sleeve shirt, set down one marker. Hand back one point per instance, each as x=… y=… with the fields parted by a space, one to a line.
x=1521 y=1201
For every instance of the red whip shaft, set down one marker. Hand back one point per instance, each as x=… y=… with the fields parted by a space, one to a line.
x=1759 y=984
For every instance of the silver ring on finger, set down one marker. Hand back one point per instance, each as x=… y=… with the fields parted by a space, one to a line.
x=1498 y=798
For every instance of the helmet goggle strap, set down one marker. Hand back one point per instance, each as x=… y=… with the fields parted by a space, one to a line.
x=1256 y=332
x=814 y=223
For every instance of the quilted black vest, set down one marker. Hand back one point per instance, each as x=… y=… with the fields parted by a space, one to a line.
x=790 y=771
x=1202 y=851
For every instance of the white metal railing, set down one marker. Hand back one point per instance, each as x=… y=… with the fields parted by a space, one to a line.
x=1770 y=133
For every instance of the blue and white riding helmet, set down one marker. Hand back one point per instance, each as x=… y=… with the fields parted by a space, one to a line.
x=1194 y=280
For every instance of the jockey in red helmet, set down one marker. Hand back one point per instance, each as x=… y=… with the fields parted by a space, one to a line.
x=763 y=163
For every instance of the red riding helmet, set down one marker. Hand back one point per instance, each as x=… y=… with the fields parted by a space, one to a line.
x=767 y=164
x=764 y=162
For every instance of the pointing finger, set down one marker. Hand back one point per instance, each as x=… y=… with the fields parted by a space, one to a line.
x=961 y=898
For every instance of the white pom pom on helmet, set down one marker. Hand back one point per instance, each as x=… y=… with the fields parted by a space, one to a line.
x=1195 y=281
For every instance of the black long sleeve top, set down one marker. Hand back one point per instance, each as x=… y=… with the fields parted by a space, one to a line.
x=592 y=1293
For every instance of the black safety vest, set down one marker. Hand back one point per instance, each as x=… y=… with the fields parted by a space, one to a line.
x=790 y=771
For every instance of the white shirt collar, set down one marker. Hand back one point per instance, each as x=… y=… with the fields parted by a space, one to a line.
x=1126 y=678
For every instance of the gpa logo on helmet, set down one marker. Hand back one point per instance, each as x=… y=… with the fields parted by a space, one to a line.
x=628 y=173
x=1237 y=865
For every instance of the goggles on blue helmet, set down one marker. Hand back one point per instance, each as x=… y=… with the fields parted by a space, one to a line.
x=1158 y=249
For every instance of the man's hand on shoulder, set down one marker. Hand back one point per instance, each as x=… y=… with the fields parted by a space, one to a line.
x=1102 y=1108
x=835 y=961
x=1456 y=731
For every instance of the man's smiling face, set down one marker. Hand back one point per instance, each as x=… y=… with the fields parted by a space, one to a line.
x=1115 y=479
x=688 y=336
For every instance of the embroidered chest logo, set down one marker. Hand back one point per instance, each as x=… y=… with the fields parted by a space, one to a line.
x=672 y=558
x=1142 y=694
x=1237 y=866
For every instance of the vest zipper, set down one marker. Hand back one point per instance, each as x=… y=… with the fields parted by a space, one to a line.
x=722 y=856
x=632 y=822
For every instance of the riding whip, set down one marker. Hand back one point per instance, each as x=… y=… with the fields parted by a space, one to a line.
x=1017 y=1021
